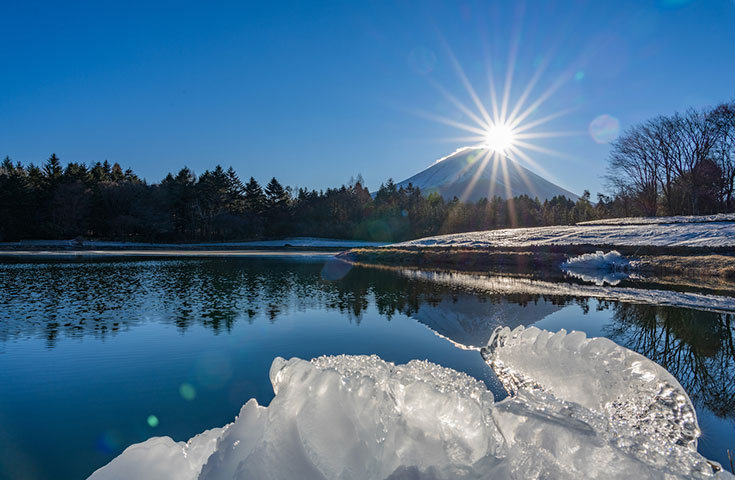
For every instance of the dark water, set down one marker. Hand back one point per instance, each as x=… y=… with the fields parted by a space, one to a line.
x=92 y=351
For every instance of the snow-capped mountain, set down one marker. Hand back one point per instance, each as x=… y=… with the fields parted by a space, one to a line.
x=471 y=174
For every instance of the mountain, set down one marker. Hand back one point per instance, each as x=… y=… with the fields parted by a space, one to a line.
x=453 y=176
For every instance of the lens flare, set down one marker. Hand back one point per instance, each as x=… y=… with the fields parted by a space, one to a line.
x=152 y=421
x=187 y=391
x=604 y=128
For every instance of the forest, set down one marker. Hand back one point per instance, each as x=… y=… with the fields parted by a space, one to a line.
x=681 y=164
x=103 y=201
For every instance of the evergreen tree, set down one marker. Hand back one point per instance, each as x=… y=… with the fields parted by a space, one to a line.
x=276 y=195
x=235 y=192
x=254 y=197
x=52 y=169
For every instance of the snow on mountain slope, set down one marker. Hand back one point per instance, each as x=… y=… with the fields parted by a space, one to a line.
x=470 y=174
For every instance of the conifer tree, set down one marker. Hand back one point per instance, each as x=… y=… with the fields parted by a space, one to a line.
x=254 y=197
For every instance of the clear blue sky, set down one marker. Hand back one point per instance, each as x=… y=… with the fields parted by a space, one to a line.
x=315 y=92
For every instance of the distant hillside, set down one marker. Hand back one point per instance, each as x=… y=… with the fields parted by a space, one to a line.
x=454 y=176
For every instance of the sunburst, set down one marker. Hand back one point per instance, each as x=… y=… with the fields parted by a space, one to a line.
x=505 y=130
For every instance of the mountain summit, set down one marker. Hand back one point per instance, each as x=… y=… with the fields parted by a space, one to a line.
x=470 y=174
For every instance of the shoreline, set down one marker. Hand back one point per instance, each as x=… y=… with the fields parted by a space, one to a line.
x=708 y=268
x=170 y=253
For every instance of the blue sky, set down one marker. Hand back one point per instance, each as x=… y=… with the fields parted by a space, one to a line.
x=316 y=92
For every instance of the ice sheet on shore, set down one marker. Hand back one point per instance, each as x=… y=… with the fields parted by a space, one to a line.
x=598 y=268
x=359 y=417
x=691 y=234
x=497 y=284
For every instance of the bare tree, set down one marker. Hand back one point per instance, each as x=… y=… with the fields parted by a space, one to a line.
x=633 y=168
x=680 y=164
x=723 y=117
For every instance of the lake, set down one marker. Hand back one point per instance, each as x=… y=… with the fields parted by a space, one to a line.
x=99 y=353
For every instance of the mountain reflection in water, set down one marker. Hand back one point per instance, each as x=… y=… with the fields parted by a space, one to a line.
x=106 y=298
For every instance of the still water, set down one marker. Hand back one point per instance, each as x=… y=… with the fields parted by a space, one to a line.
x=98 y=354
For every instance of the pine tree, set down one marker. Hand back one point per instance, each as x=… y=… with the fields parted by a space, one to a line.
x=276 y=195
x=254 y=197
x=235 y=192
x=52 y=169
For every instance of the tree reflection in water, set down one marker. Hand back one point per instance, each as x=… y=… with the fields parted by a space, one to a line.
x=697 y=347
x=98 y=299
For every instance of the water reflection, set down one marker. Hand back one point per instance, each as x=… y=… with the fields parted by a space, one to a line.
x=98 y=299
x=698 y=348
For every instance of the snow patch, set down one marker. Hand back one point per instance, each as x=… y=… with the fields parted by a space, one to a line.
x=599 y=267
x=581 y=408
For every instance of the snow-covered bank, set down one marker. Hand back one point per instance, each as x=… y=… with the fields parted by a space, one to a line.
x=719 y=217
x=497 y=284
x=692 y=234
x=359 y=417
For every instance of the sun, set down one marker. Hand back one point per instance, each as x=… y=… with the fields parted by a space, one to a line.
x=500 y=138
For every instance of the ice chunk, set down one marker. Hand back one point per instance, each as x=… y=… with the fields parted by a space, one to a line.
x=359 y=417
x=646 y=407
x=599 y=267
x=161 y=457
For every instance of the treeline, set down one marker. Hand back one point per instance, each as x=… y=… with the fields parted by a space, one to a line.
x=104 y=201
x=682 y=164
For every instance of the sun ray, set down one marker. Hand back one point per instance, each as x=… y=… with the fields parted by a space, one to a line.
x=450 y=122
x=529 y=161
x=465 y=81
x=493 y=177
x=505 y=128
x=509 y=194
x=524 y=179
x=527 y=91
x=539 y=101
x=493 y=92
x=477 y=141
x=512 y=56
x=459 y=104
x=531 y=135
x=506 y=87
x=464 y=169
x=547 y=151
x=483 y=163
x=541 y=121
